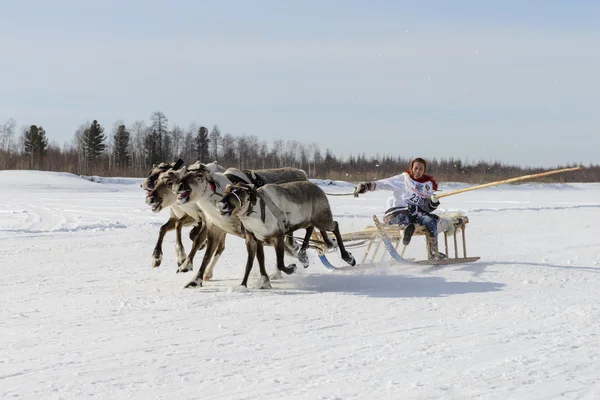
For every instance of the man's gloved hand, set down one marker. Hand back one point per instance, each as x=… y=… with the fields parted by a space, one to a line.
x=431 y=203
x=363 y=187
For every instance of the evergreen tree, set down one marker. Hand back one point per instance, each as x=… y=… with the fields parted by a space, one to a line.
x=160 y=130
x=121 y=142
x=176 y=135
x=201 y=142
x=93 y=140
x=35 y=145
x=152 y=148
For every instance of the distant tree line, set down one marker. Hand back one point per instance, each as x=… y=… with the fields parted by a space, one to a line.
x=132 y=150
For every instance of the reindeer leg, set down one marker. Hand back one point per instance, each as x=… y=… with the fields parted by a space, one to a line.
x=179 y=249
x=291 y=247
x=279 y=253
x=199 y=240
x=157 y=253
x=251 y=245
x=331 y=244
x=208 y=274
x=346 y=255
x=197 y=230
x=264 y=278
x=213 y=240
x=302 y=257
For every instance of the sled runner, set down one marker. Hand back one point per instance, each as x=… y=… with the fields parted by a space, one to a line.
x=381 y=243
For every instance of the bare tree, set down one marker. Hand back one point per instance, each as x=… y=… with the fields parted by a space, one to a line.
x=252 y=152
x=138 y=130
x=7 y=131
x=215 y=138
x=177 y=135
x=263 y=156
x=243 y=150
x=290 y=155
x=277 y=153
x=189 y=152
x=228 y=147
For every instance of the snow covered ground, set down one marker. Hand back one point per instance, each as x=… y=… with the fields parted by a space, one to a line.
x=82 y=313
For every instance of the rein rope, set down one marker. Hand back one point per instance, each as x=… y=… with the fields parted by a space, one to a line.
x=339 y=194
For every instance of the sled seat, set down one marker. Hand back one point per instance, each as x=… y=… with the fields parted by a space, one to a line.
x=449 y=226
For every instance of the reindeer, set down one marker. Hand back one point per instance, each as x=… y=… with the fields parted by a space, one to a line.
x=274 y=210
x=203 y=188
x=177 y=219
x=159 y=196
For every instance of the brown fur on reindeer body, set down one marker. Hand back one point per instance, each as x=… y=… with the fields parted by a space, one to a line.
x=262 y=177
x=302 y=204
x=274 y=210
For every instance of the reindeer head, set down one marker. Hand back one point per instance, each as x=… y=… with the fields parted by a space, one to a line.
x=196 y=178
x=238 y=199
x=157 y=169
x=162 y=195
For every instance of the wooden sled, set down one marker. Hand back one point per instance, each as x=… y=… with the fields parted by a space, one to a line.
x=373 y=238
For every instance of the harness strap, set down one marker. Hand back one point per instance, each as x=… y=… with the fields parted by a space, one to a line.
x=245 y=176
x=282 y=221
x=255 y=179
x=263 y=214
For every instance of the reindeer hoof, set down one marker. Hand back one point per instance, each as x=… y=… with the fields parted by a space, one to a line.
x=264 y=282
x=193 y=284
x=303 y=258
x=289 y=269
x=185 y=267
x=207 y=276
x=350 y=260
x=156 y=262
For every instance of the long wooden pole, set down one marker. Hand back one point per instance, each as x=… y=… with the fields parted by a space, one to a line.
x=520 y=178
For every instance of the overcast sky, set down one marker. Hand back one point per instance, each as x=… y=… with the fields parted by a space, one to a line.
x=515 y=81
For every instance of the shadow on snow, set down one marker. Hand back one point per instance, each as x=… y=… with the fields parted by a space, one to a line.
x=391 y=286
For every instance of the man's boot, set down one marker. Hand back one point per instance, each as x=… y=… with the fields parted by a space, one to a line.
x=406 y=236
x=408 y=232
